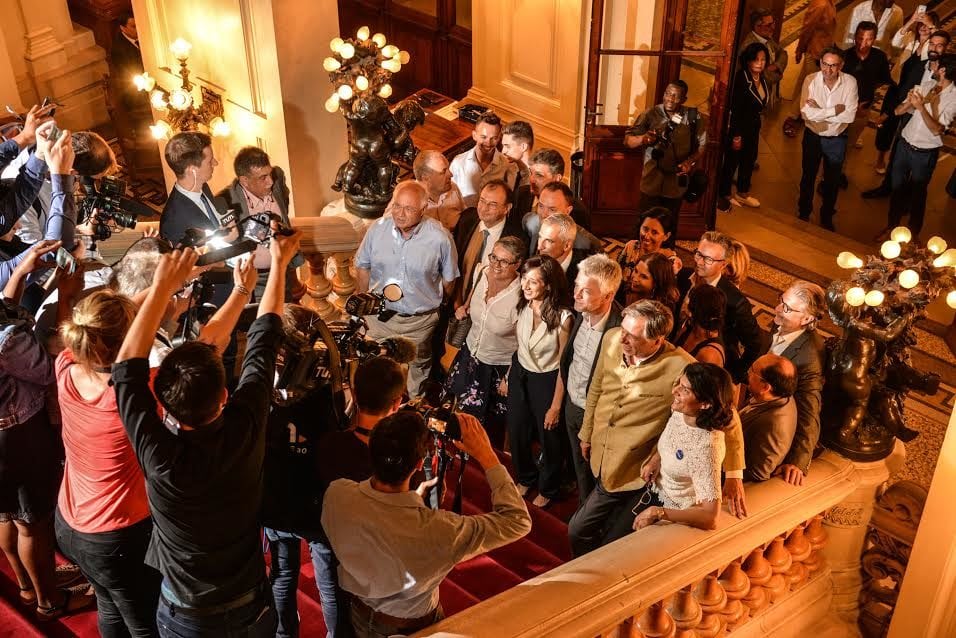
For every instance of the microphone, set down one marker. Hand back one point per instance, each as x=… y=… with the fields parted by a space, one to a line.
x=401 y=349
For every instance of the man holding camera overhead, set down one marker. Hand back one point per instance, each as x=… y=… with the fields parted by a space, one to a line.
x=673 y=138
x=416 y=253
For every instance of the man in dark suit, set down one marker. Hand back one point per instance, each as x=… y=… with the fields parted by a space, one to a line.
x=556 y=239
x=769 y=419
x=716 y=261
x=794 y=337
x=546 y=166
x=190 y=204
x=555 y=198
x=596 y=312
x=126 y=61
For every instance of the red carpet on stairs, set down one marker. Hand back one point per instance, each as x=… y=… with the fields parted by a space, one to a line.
x=470 y=582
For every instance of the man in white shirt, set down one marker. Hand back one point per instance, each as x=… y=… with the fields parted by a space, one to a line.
x=483 y=162
x=933 y=105
x=828 y=103
x=444 y=199
x=595 y=312
x=887 y=16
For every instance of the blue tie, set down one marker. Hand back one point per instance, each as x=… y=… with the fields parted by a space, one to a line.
x=209 y=212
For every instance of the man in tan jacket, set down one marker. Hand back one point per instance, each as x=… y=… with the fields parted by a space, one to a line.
x=627 y=407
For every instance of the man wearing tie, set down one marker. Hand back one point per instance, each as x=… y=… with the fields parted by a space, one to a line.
x=190 y=204
x=794 y=337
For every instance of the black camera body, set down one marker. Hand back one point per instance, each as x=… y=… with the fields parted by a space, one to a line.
x=109 y=203
x=438 y=408
x=665 y=135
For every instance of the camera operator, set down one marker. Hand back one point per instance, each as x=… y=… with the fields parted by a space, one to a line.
x=674 y=138
x=380 y=527
x=16 y=200
x=306 y=452
x=204 y=481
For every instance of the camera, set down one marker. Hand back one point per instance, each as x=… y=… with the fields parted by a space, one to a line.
x=362 y=304
x=665 y=134
x=437 y=407
x=109 y=204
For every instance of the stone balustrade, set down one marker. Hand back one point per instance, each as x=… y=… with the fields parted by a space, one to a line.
x=329 y=245
x=766 y=575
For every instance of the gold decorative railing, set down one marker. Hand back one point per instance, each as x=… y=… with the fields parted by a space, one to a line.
x=760 y=576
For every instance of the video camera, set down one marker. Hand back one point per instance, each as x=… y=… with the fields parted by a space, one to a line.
x=113 y=210
x=438 y=409
x=362 y=304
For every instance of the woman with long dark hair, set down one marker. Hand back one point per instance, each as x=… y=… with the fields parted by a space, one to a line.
x=654 y=234
x=701 y=335
x=750 y=95
x=535 y=390
x=651 y=278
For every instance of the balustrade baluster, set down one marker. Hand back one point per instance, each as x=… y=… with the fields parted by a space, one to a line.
x=656 y=622
x=711 y=597
x=319 y=287
x=737 y=585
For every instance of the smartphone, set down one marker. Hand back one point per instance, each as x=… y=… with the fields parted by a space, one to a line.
x=65 y=261
x=921 y=9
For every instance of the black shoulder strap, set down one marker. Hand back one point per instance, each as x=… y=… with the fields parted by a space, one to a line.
x=693 y=118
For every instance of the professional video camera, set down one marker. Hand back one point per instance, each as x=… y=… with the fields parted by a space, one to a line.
x=113 y=210
x=438 y=409
x=362 y=304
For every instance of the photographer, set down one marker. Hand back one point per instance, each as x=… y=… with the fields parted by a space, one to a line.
x=204 y=481
x=379 y=528
x=16 y=200
x=306 y=452
x=674 y=138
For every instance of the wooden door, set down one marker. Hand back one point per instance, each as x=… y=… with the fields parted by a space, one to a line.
x=688 y=39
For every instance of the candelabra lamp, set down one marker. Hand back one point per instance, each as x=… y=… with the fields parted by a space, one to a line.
x=181 y=111
x=360 y=70
x=869 y=371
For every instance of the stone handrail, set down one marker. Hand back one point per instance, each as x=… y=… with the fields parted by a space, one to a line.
x=325 y=238
x=673 y=580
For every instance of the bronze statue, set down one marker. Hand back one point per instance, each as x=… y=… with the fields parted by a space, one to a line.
x=377 y=137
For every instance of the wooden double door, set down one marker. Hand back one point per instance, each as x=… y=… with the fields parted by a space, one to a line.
x=436 y=33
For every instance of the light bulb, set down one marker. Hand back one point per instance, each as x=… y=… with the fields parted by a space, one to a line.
x=404 y=57
x=909 y=278
x=332 y=104
x=361 y=83
x=873 y=298
x=158 y=100
x=385 y=91
x=379 y=40
x=180 y=48
x=219 y=127
x=890 y=249
x=160 y=130
x=180 y=99
x=331 y=64
x=901 y=234
x=144 y=82
x=346 y=51
x=847 y=259
x=362 y=34
x=390 y=51
x=345 y=92
x=336 y=44
x=951 y=299
x=855 y=296
x=391 y=65
x=936 y=245
x=948 y=258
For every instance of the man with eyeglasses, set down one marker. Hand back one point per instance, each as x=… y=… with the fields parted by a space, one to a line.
x=762 y=24
x=418 y=254
x=556 y=198
x=444 y=199
x=828 y=102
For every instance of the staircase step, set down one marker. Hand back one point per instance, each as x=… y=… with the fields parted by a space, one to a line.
x=483 y=577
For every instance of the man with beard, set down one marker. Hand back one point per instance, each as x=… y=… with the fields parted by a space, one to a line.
x=483 y=162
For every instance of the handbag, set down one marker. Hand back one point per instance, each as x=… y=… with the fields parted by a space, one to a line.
x=458 y=329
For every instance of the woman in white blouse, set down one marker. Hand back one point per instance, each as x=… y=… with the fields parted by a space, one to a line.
x=535 y=389
x=682 y=477
x=479 y=373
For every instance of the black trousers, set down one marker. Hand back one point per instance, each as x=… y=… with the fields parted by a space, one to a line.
x=622 y=520
x=831 y=151
x=573 y=419
x=590 y=524
x=742 y=162
x=529 y=397
x=911 y=170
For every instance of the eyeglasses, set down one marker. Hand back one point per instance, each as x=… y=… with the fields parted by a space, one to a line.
x=706 y=258
x=489 y=205
x=835 y=65
x=495 y=260
x=408 y=210
x=643 y=502
x=787 y=309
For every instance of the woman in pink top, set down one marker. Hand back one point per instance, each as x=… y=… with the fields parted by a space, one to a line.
x=102 y=519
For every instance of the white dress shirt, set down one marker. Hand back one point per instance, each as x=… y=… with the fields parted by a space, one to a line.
x=942 y=107
x=892 y=18
x=585 y=344
x=467 y=174
x=824 y=121
x=782 y=342
x=493 y=337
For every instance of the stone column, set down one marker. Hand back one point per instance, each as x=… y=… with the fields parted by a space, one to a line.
x=8 y=78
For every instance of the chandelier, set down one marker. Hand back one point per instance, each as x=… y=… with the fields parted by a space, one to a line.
x=361 y=66
x=180 y=110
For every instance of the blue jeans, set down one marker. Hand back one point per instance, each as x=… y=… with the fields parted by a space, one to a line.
x=285 y=549
x=256 y=619
x=831 y=151
x=912 y=167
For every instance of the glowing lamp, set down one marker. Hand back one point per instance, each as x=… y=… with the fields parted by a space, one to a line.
x=219 y=127
x=873 y=298
x=948 y=258
x=160 y=130
x=936 y=245
x=404 y=57
x=345 y=92
x=363 y=34
x=361 y=83
x=180 y=49
x=144 y=82
x=391 y=65
x=336 y=44
x=332 y=104
x=158 y=100
x=331 y=64
x=901 y=234
x=890 y=249
x=180 y=99
x=909 y=278
x=951 y=299
x=379 y=40
x=390 y=51
x=847 y=259
x=385 y=91
x=855 y=296
x=347 y=51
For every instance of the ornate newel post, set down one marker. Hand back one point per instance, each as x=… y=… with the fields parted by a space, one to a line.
x=324 y=240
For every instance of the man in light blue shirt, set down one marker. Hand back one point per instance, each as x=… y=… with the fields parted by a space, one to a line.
x=418 y=254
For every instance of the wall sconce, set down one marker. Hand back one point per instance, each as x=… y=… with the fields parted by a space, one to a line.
x=180 y=110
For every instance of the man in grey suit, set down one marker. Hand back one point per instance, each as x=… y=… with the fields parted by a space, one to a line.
x=769 y=419
x=794 y=337
x=595 y=312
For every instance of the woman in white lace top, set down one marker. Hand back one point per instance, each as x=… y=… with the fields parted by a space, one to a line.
x=682 y=477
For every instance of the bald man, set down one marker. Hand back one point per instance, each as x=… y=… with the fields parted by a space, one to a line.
x=769 y=419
